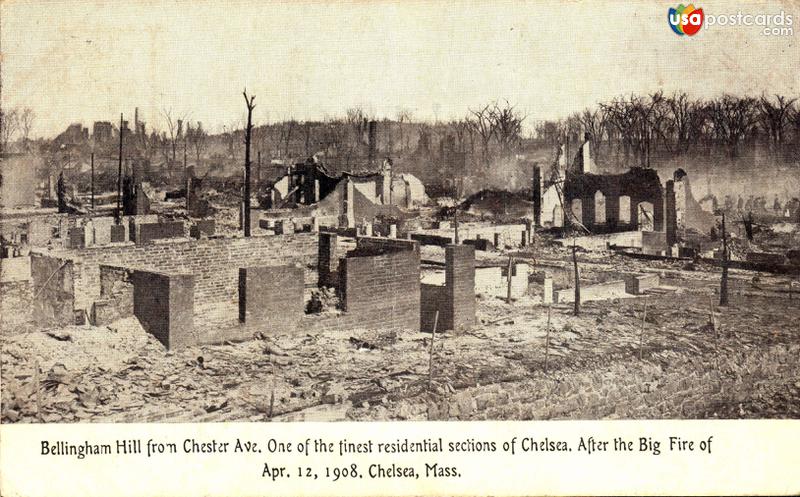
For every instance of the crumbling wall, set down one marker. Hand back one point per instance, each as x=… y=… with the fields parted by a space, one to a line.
x=15 y=291
x=455 y=300
x=271 y=298
x=432 y=300
x=214 y=262
x=328 y=255
x=382 y=289
x=639 y=184
x=459 y=312
x=145 y=233
x=630 y=390
x=502 y=235
x=15 y=303
x=53 y=285
x=598 y=291
x=164 y=305
x=116 y=295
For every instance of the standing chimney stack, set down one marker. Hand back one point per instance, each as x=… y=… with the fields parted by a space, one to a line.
x=372 y=138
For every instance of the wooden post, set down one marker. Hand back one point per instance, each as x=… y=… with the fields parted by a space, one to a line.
x=577 y=307
x=258 y=173
x=92 y=180
x=118 y=214
x=430 y=356
x=641 y=334
x=723 y=285
x=455 y=226
x=37 y=384
x=510 y=271
x=547 y=340
x=713 y=317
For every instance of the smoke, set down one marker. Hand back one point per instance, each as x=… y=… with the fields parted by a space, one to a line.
x=510 y=174
x=745 y=177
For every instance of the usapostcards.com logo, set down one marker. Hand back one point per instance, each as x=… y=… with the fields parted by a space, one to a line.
x=685 y=20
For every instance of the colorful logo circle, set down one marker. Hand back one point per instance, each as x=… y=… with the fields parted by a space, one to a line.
x=685 y=20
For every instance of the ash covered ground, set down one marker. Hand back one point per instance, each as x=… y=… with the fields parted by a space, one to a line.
x=684 y=357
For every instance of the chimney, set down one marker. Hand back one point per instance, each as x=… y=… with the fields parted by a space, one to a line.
x=136 y=121
x=371 y=136
x=587 y=158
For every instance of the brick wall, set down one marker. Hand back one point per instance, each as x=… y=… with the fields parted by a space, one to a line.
x=602 y=241
x=214 y=262
x=636 y=284
x=380 y=245
x=460 y=284
x=455 y=301
x=599 y=291
x=53 y=230
x=512 y=235
x=328 y=260
x=53 y=286
x=146 y=233
x=433 y=298
x=271 y=297
x=15 y=304
x=382 y=291
x=15 y=269
x=164 y=304
x=116 y=295
x=629 y=390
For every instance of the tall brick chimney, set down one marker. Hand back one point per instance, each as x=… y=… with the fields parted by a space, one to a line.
x=373 y=141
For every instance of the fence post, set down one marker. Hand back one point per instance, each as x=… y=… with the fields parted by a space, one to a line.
x=430 y=356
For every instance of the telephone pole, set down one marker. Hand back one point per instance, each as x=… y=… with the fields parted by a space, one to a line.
x=117 y=216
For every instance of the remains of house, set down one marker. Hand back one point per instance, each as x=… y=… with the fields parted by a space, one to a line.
x=357 y=293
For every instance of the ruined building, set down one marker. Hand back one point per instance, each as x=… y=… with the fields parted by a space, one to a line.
x=634 y=201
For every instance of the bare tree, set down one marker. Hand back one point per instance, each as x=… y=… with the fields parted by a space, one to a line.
x=507 y=123
x=286 y=134
x=172 y=129
x=9 y=124
x=483 y=124
x=685 y=120
x=594 y=122
x=229 y=132
x=197 y=138
x=26 y=119
x=623 y=118
x=775 y=116
x=249 y=101
x=733 y=119
x=403 y=117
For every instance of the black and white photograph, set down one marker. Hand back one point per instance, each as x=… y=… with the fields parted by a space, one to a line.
x=265 y=212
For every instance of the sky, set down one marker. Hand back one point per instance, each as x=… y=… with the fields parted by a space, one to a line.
x=82 y=61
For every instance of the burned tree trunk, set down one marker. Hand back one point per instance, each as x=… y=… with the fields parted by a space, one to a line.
x=247 y=136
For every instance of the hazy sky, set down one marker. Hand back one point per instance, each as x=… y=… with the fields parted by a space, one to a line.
x=90 y=60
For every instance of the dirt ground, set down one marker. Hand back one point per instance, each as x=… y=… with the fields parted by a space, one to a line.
x=684 y=357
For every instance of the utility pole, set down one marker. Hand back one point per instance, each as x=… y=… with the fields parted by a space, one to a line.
x=119 y=173
x=455 y=226
x=92 y=180
x=723 y=285
x=186 y=179
x=247 y=137
x=577 y=309
x=258 y=174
